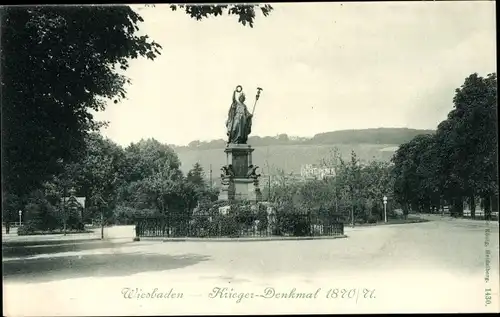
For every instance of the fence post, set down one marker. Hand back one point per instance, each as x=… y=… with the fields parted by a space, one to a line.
x=309 y=223
x=137 y=233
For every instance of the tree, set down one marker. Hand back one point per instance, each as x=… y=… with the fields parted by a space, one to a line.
x=40 y=214
x=283 y=138
x=467 y=143
x=476 y=146
x=414 y=173
x=99 y=175
x=352 y=183
x=197 y=176
x=151 y=176
x=96 y=176
x=245 y=12
x=460 y=160
x=334 y=161
x=355 y=191
x=11 y=204
x=429 y=173
x=284 y=192
x=59 y=64
x=377 y=181
x=204 y=192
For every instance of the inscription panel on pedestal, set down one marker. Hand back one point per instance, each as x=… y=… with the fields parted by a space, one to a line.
x=240 y=164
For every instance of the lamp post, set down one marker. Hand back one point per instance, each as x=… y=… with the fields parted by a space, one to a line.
x=20 y=217
x=211 y=176
x=268 y=176
x=385 y=208
x=102 y=223
x=103 y=205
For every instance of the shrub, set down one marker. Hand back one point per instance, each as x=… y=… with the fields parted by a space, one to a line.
x=295 y=224
x=202 y=226
x=207 y=220
x=262 y=218
x=74 y=222
x=124 y=215
x=292 y=220
x=372 y=219
x=360 y=218
x=26 y=229
x=41 y=215
x=300 y=227
x=243 y=214
x=229 y=226
x=30 y=229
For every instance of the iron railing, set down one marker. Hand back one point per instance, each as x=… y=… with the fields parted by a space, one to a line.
x=242 y=225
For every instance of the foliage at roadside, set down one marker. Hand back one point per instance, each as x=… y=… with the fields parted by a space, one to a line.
x=59 y=65
x=459 y=163
x=119 y=184
x=238 y=219
x=354 y=193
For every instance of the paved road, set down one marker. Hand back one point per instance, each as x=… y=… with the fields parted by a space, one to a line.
x=436 y=266
x=116 y=232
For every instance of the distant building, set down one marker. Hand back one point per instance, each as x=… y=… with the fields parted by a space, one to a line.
x=390 y=149
x=315 y=171
x=74 y=203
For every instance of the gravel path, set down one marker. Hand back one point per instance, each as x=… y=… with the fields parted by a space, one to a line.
x=437 y=266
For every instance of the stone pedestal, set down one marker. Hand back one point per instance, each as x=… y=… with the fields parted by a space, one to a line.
x=244 y=189
x=239 y=179
x=227 y=190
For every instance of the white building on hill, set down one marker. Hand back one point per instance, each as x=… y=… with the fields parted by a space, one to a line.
x=315 y=171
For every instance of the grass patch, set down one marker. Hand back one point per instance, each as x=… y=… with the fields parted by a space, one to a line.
x=479 y=218
x=39 y=232
x=410 y=219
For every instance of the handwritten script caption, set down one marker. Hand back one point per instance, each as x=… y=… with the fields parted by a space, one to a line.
x=354 y=294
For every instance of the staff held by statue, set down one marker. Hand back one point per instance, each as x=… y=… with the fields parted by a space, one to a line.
x=256 y=98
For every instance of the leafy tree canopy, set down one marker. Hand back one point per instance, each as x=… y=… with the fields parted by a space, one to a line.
x=245 y=12
x=58 y=64
x=461 y=159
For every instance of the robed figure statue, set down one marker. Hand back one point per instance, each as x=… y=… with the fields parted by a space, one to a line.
x=239 y=121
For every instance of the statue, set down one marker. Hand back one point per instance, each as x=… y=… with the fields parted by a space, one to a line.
x=227 y=171
x=239 y=178
x=252 y=172
x=239 y=121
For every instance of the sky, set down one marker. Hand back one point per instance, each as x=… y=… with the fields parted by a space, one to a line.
x=322 y=66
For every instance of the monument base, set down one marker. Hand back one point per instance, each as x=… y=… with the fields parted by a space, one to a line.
x=239 y=180
x=241 y=189
x=245 y=189
x=227 y=190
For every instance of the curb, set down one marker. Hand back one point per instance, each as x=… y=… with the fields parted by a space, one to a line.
x=239 y=239
x=32 y=243
x=388 y=224
x=463 y=220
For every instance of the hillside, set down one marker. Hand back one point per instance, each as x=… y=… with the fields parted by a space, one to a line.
x=289 y=153
x=286 y=157
x=368 y=136
x=364 y=136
